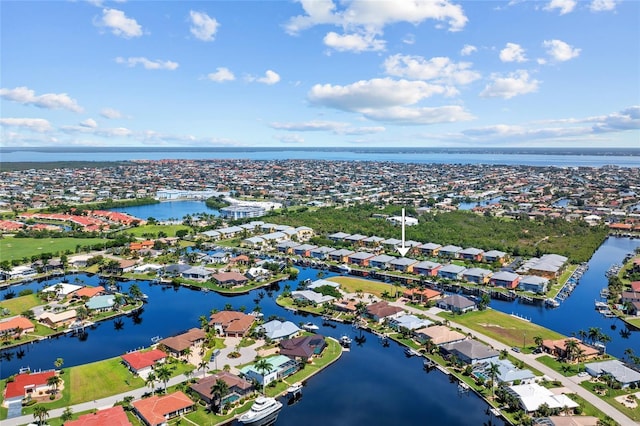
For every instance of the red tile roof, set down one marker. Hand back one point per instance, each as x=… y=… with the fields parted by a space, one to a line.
x=21 y=381
x=139 y=360
x=114 y=416
x=89 y=291
x=232 y=321
x=155 y=408
x=16 y=322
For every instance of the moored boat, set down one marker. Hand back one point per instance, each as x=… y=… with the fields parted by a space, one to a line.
x=310 y=326
x=263 y=412
x=345 y=341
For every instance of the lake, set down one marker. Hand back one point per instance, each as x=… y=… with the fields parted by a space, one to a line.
x=168 y=210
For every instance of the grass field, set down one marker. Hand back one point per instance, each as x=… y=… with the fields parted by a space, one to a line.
x=18 y=248
x=17 y=305
x=351 y=285
x=509 y=330
x=101 y=379
x=153 y=230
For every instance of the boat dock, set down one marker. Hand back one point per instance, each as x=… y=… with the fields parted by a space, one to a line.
x=572 y=282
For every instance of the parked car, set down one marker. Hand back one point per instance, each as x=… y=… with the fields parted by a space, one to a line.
x=515 y=349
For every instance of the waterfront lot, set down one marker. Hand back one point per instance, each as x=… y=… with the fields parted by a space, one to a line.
x=17 y=305
x=18 y=248
x=353 y=285
x=510 y=330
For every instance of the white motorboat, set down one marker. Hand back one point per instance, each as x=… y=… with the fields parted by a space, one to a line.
x=295 y=389
x=263 y=412
x=310 y=326
x=345 y=341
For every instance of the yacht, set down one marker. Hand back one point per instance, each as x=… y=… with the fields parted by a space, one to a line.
x=263 y=412
x=310 y=326
x=552 y=303
x=345 y=341
x=295 y=390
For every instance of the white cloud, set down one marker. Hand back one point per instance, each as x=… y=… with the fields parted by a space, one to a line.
x=409 y=39
x=603 y=5
x=119 y=23
x=39 y=125
x=374 y=15
x=270 y=78
x=513 y=53
x=514 y=84
x=147 y=63
x=290 y=138
x=468 y=49
x=417 y=116
x=565 y=6
x=89 y=123
x=222 y=74
x=111 y=113
x=439 y=69
x=353 y=42
x=372 y=94
x=560 y=51
x=26 y=96
x=336 y=127
x=203 y=27
x=627 y=119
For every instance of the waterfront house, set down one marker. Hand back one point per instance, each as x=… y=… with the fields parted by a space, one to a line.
x=26 y=386
x=123 y=266
x=456 y=303
x=101 y=303
x=258 y=274
x=16 y=327
x=79 y=260
x=534 y=284
x=449 y=252
x=62 y=290
x=230 y=279
x=338 y=236
x=231 y=323
x=505 y=279
x=408 y=321
x=340 y=256
x=176 y=346
x=477 y=275
x=403 y=264
x=303 y=348
x=345 y=305
x=322 y=283
x=630 y=296
x=634 y=308
x=142 y=362
x=311 y=296
x=220 y=257
x=304 y=250
x=157 y=410
x=321 y=253
x=379 y=311
x=286 y=247
x=439 y=335
x=114 y=416
x=547 y=266
x=360 y=258
x=558 y=348
x=237 y=387
x=451 y=271
x=471 y=253
x=421 y=295
x=197 y=273
x=492 y=256
x=281 y=367
x=509 y=373
x=427 y=268
x=59 y=319
x=531 y=396
x=21 y=272
x=616 y=369
x=278 y=330
x=175 y=270
x=429 y=249
x=381 y=261
x=470 y=351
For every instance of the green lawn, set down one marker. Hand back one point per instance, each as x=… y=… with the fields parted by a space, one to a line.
x=563 y=368
x=351 y=285
x=101 y=379
x=153 y=230
x=17 y=305
x=610 y=396
x=503 y=327
x=18 y=248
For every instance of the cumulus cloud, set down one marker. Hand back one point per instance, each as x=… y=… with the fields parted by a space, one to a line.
x=111 y=113
x=290 y=138
x=119 y=24
x=353 y=42
x=270 y=78
x=336 y=127
x=627 y=119
x=89 y=123
x=438 y=69
x=423 y=115
x=513 y=53
x=203 y=27
x=603 y=5
x=222 y=74
x=374 y=16
x=468 y=49
x=26 y=96
x=39 y=125
x=560 y=51
x=148 y=63
x=506 y=87
x=564 y=6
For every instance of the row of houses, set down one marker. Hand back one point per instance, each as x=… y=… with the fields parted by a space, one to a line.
x=263 y=233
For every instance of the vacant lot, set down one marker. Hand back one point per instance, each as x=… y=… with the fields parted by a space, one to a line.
x=351 y=285
x=505 y=328
x=17 y=305
x=101 y=379
x=152 y=231
x=18 y=248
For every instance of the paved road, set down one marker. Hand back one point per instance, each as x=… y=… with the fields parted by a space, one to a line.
x=568 y=382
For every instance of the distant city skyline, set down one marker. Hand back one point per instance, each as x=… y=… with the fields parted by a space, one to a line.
x=320 y=73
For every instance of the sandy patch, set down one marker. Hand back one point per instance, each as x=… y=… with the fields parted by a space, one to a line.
x=628 y=402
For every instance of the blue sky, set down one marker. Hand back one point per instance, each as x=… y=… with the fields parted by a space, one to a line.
x=314 y=73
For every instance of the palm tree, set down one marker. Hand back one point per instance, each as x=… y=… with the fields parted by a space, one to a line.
x=186 y=353
x=135 y=291
x=67 y=414
x=58 y=362
x=493 y=371
x=54 y=381
x=163 y=373
x=571 y=347
x=538 y=340
x=40 y=413
x=203 y=364
x=263 y=367
x=151 y=380
x=218 y=390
